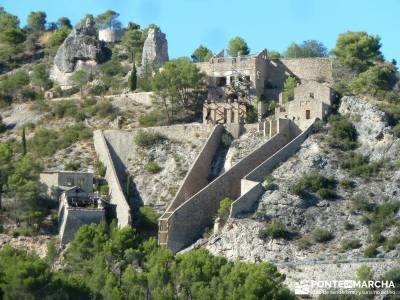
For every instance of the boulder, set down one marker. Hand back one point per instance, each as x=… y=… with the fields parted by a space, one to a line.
x=80 y=50
x=155 y=49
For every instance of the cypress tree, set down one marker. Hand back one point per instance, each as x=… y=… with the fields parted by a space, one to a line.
x=128 y=187
x=23 y=142
x=133 y=79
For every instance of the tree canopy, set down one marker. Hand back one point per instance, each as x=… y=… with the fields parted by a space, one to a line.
x=104 y=262
x=133 y=43
x=238 y=46
x=201 y=54
x=7 y=20
x=108 y=19
x=64 y=22
x=37 y=21
x=180 y=85
x=359 y=50
x=309 y=48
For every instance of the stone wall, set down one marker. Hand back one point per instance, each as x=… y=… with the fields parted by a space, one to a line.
x=189 y=221
x=72 y=219
x=249 y=197
x=117 y=196
x=130 y=100
x=50 y=182
x=304 y=69
x=110 y=35
x=197 y=177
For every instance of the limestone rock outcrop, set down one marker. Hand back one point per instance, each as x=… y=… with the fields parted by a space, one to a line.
x=80 y=50
x=155 y=49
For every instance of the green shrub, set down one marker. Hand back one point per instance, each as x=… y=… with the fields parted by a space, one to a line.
x=346 y=184
x=359 y=202
x=72 y=166
x=100 y=169
x=321 y=235
x=365 y=220
x=3 y=126
x=65 y=108
x=153 y=118
x=149 y=138
x=393 y=275
x=375 y=81
x=148 y=218
x=268 y=183
x=104 y=190
x=276 y=229
x=396 y=130
x=342 y=134
x=327 y=194
x=350 y=244
x=315 y=183
x=251 y=114
x=392 y=242
x=304 y=243
x=226 y=139
x=224 y=208
x=348 y=226
x=370 y=251
x=288 y=89
x=387 y=210
x=152 y=167
x=23 y=231
x=104 y=109
x=359 y=165
x=46 y=142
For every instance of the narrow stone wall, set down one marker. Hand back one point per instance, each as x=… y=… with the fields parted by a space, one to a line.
x=197 y=177
x=74 y=218
x=188 y=222
x=249 y=197
x=117 y=197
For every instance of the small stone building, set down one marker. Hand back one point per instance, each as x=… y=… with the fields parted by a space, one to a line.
x=78 y=208
x=311 y=100
x=53 y=183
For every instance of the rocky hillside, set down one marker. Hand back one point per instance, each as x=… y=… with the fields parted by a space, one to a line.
x=361 y=219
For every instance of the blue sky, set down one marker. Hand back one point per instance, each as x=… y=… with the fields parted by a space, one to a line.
x=263 y=23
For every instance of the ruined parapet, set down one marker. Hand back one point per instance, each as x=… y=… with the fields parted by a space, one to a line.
x=117 y=196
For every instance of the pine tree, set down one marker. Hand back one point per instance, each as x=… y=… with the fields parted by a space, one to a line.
x=133 y=79
x=23 y=142
x=128 y=187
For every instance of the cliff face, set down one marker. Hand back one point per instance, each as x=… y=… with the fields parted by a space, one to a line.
x=302 y=215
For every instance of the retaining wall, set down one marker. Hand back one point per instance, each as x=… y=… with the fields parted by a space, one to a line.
x=74 y=218
x=197 y=177
x=188 y=222
x=117 y=196
x=248 y=199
